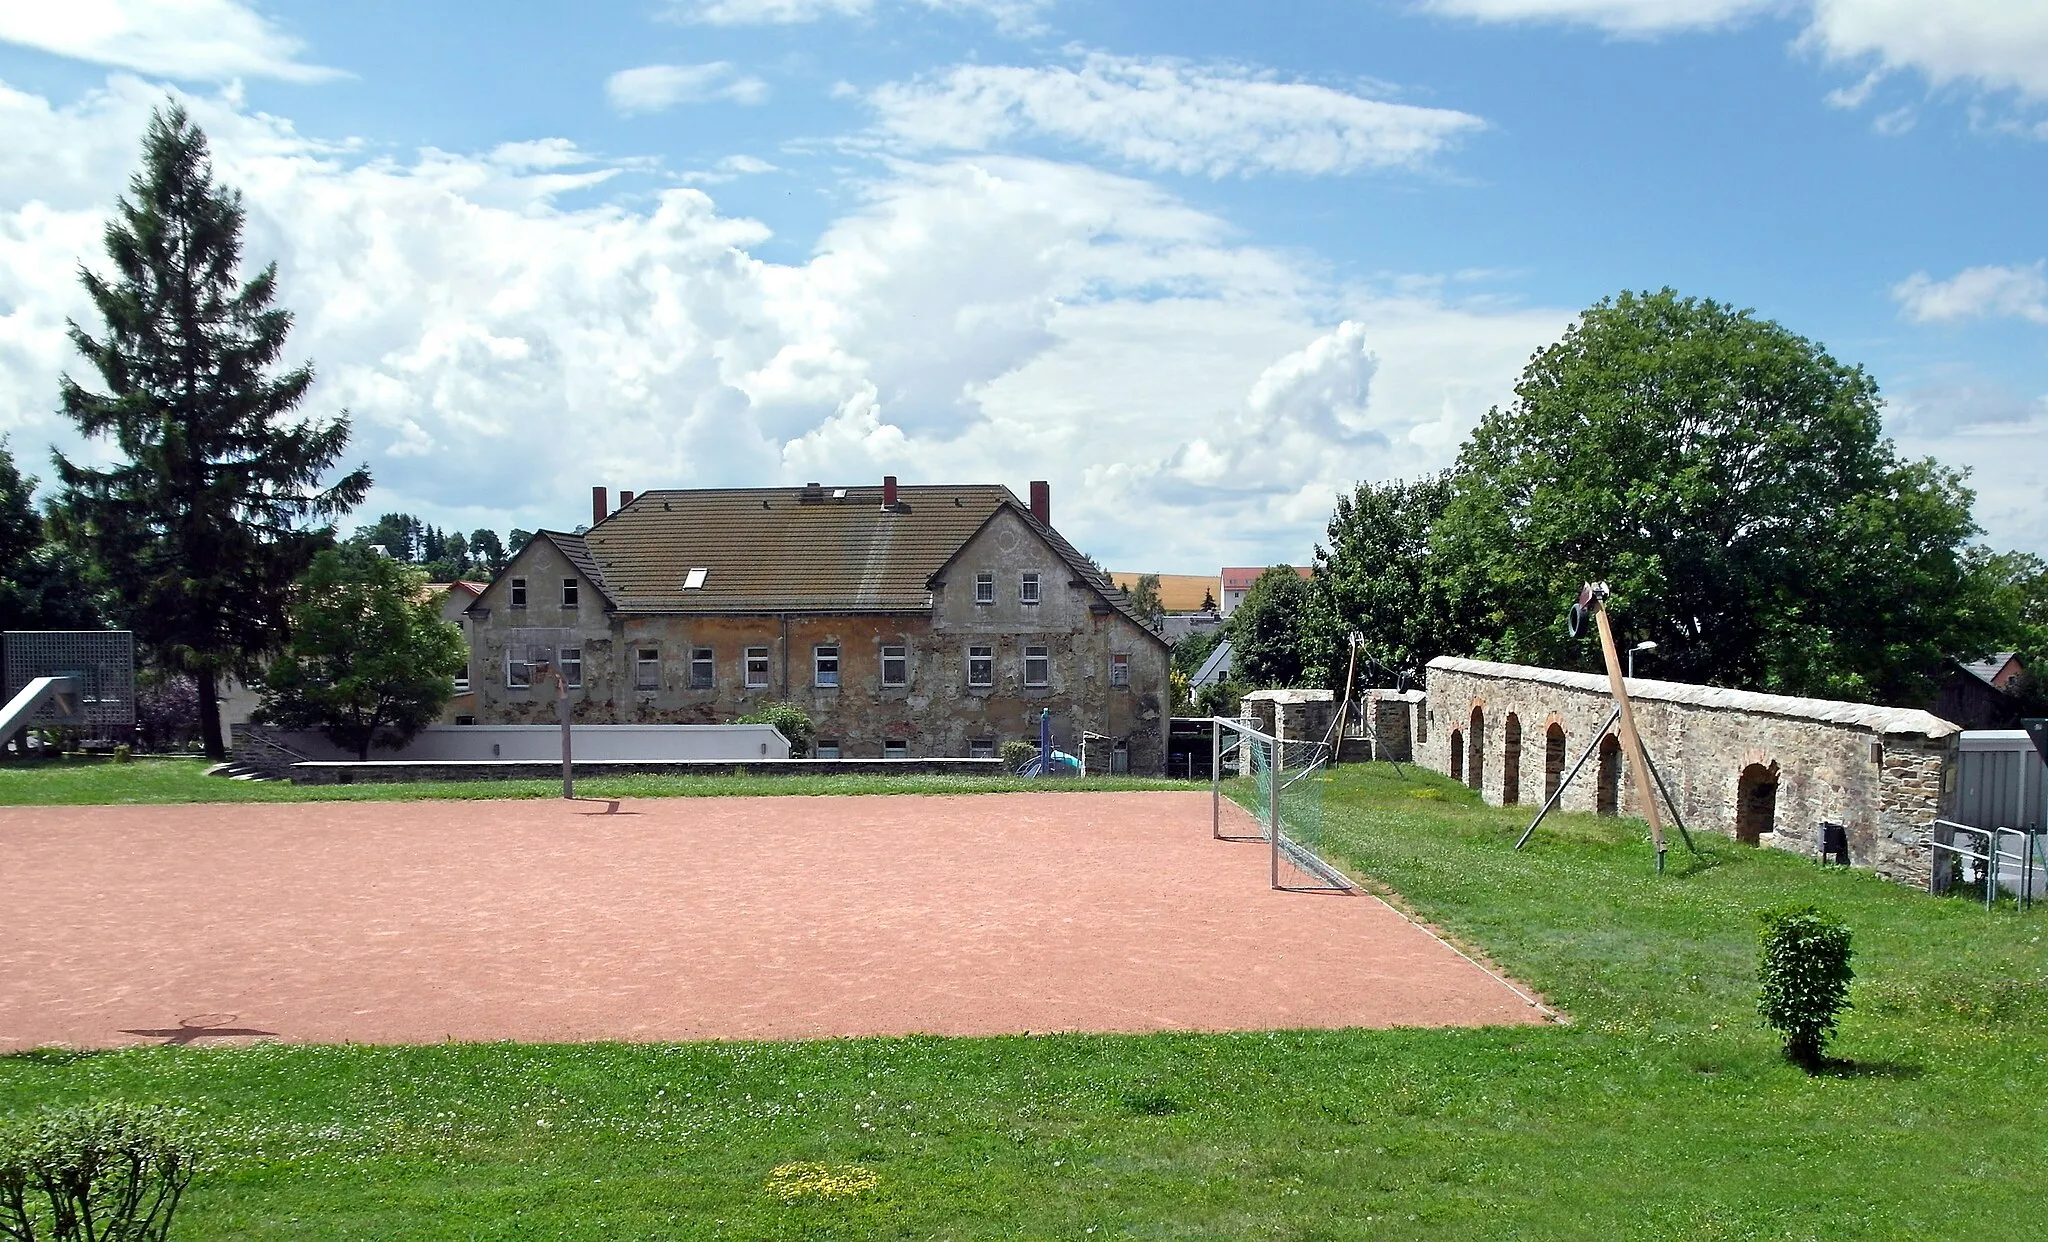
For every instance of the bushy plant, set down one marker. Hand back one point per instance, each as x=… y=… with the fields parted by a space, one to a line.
x=1219 y=698
x=1804 y=969
x=1017 y=752
x=166 y=710
x=791 y=720
x=96 y=1173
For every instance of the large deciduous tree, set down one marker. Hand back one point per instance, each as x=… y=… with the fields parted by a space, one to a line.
x=1266 y=647
x=1377 y=579
x=43 y=585
x=1731 y=481
x=215 y=502
x=370 y=660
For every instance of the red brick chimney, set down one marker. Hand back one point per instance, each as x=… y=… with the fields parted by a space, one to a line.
x=598 y=506
x=1041 y=501
x=889 y=491
x=625 y=498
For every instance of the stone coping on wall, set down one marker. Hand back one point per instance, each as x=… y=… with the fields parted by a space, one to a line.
x=1883 y=720
x=1291 y=696
x=397 y=771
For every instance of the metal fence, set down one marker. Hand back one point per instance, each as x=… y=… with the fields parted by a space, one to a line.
x=103 y=661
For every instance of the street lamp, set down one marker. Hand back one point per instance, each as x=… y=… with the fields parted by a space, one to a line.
x=1645 y=645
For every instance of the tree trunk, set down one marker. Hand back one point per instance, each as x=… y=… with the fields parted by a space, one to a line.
x=209 y=714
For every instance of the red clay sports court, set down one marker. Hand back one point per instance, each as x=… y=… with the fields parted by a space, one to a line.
x=687 y=918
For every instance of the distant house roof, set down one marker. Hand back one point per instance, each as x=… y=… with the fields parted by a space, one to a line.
x=1864 y=715
x=1177 y=592
x=788 y=549
x=1241 y=578
x=1997 y=671
x=1214 y=669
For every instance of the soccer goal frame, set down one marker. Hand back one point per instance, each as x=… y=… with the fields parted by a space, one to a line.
x=1254 y=749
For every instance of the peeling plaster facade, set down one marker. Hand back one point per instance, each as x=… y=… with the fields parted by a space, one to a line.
x=934 y=710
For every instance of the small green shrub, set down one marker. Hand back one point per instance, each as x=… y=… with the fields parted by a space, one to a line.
x=792 y=720
x=1804 y=969
x=97 y=1173
x=1017 y=752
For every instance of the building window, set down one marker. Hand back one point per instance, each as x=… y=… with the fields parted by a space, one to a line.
x=465 y=720
x=518 y=675
x=895 y=665
x=518 y=593
x=757 y=667
x=825 y=665
x=647 y=668
x=981 y=748
x=700 y=668
x=1119 y=670
x=895 y=748
x=572 y=666
x=828 y=748
x=462 y=684
x=568 y=592
x=1037 y=666
x=981 y=666
x=985 y=588
x=1027 y=591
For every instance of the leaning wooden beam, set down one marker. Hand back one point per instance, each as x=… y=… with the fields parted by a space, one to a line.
x=1638 y=761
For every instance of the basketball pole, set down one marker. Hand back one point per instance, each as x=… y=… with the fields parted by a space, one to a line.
x=1646 y=793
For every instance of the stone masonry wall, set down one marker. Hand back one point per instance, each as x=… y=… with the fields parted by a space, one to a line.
x=1885 y=787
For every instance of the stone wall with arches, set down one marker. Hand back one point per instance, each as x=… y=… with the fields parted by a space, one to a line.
x=1764 y=768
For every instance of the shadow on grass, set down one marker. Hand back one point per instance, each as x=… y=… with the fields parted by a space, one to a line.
x=1832 y=1067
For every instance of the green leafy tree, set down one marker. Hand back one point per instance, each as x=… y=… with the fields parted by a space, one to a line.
x=487 y=553
x=1193 y=649
x=2019 y=590
x=43 y=584
x=1267 y=647
x=793 y=721
x=214 y=504
x=1377 y=579
x=371 y=661
x=1208 y=601
x=1144 y=600
x=1730 y=480
x=516 y=542
x=1804 y=974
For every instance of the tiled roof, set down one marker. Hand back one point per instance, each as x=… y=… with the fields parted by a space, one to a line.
x=1989 y=671
x=788 y=549
x=1863 y=715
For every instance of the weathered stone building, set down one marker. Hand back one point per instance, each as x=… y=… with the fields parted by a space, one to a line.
x=912 y=622
x=1767 y=769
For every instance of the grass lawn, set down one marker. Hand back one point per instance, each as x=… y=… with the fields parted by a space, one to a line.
x=1661 y=1111
x=77 y=782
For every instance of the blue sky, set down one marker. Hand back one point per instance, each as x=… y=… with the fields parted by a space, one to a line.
x=1199 y=265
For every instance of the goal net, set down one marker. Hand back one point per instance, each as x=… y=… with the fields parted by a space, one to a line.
x=1284 y=805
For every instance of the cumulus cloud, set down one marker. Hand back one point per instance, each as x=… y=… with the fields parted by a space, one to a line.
x=1168 y=115
x=203 y=40
x=1996 y=45
x=1010 y=16
x=1975 y=293
x=654 y=88
x=985 y=318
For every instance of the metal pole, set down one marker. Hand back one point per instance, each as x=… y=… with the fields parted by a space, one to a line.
x=1555 y=798
x=1273 y=806
x=1215 y=777
x=1676 y=821
x=562 y=711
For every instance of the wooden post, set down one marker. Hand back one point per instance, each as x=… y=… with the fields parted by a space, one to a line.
x=1639 y=762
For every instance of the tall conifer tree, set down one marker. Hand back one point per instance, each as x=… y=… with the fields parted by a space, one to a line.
x=214 y=505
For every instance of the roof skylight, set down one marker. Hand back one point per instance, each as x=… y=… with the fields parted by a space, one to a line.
x=695 y=580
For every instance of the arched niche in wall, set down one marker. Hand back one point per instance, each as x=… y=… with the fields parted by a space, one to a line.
x=1475 y=749
x=1607 y=785
x=1457 y=754
x=1756 y=803
x=1553 y=760
x=1511 y=760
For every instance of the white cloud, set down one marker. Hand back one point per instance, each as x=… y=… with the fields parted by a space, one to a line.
x=652 y=88
x=1167 y=115
x=1975 y=293
x=1997 y=45
x=991 y=318
x=1010 y=16
x=1626 y=17
x=203 y=40
x=1991 y=44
